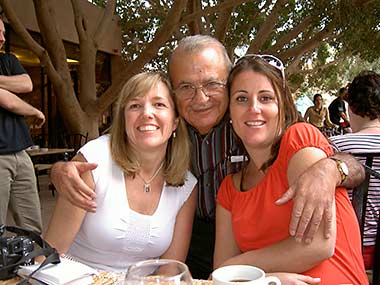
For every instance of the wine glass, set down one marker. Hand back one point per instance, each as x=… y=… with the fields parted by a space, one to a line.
x=158 y=271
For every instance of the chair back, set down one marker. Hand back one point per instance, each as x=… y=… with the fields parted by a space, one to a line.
x=359 y=203
x=76 y=141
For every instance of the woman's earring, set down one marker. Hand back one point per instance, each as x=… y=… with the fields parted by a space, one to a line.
x=230 y=121
x=174 y=135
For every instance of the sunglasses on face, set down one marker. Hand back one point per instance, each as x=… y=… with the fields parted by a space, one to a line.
x=270 y=59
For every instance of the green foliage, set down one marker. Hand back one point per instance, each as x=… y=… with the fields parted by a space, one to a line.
x=362 y=36
x=353 y=26
x=336 y=76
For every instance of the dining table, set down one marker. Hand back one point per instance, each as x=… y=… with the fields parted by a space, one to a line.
x=103 y=279
x=48 y=151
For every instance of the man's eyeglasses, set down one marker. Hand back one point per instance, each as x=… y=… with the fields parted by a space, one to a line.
x=186 y=91
x=272 y=60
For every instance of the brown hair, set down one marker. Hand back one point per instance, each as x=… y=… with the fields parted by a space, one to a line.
x=364 y=95
x=288 y=114
x=177 y=159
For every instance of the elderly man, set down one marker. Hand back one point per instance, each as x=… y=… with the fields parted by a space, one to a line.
x=198 y=69
x=18 y=188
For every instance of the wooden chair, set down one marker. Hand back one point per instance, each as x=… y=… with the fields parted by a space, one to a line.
x=359 y=202
x=40 y=168
x=75 y=141
x=43 y=168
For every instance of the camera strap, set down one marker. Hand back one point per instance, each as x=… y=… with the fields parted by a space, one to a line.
x=45 y=249
x=51 y=257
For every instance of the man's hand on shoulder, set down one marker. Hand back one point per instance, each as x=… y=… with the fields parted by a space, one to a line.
x=66 y=177
x=313 y=195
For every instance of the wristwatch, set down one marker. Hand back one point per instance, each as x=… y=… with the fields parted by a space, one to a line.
x=342 y=168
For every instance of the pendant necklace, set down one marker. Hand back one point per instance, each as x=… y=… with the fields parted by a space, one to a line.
x=146 y=187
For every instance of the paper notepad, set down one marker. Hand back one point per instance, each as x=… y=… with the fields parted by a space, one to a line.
x=66 y=272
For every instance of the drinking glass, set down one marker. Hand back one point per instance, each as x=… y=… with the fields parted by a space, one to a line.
x=158 y=271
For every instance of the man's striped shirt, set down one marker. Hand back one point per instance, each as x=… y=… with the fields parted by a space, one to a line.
x=213 y=157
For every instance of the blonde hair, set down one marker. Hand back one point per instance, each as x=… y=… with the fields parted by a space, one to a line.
x=177 y=158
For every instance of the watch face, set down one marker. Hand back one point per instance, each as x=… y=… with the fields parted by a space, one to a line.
x=344 y=167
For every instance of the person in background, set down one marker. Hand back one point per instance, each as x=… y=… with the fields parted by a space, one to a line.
x=364 y=110
x=145 y=194
x=338 y=113
x=18 y=186
x=198 y=69
x=318 y=115
x=278 y=150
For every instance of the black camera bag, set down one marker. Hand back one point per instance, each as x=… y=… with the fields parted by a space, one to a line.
x=9 y=269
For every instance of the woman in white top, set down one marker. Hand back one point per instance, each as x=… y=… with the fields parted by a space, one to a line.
x=145 y=194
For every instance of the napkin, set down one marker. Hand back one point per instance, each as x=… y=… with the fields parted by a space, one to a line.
x=67 y=272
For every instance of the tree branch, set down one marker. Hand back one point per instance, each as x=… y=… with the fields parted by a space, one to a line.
x=307 y=45
x=194 y=25
x=105 y=22
x=80 y=22
x=222 y=6
x=36 y=48
x=298 y=52
x=87 y=58
x=50 y=35
x=294 y=66
x=289 y=36
x=222 y=24
x=266 y=28
x=316 y=70
x=54 y=45
x=163 y=34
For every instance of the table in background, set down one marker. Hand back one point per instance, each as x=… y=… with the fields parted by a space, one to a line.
x=48 y=151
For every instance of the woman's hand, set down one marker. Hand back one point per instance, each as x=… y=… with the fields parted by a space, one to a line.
x=295 y=279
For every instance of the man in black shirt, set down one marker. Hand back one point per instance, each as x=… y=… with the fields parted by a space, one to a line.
x=18 y=188
x=337 y=109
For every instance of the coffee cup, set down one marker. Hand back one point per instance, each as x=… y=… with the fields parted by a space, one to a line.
x=242 y=275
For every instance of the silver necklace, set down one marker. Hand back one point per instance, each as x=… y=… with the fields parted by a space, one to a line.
x=146 y=187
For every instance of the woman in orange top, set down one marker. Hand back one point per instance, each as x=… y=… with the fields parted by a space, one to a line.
x=250 y=227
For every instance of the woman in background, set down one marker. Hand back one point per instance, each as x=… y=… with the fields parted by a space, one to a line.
x=364 y=110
